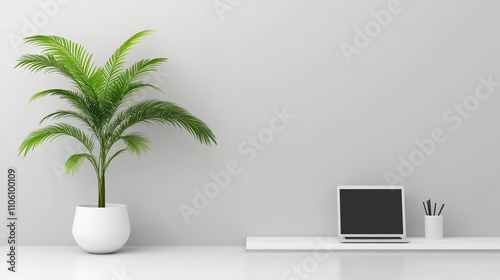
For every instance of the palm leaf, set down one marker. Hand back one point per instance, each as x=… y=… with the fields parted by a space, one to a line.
x=136 y=143
x=113 y=66
x=134 y=87
x=139 y=70
x=74 y=56
x=119 y=99
x=75 y=162
x=50 y=132
x=74 y=98
x=77 y=100
x=64 y=50
x=132 y=75
x=67 y=113
x=49 y=64
x=129 y=81
x=162 y=112
x=36 y=63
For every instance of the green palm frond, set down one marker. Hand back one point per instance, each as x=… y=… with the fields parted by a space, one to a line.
x=113 y=67
x=134 y=87
x=47 y=63
x=73 y=56
x=67 y=113
x=75 y=162
x=70 y=53
x=118 y=99
x=136 y=143
x=50 y=64
x=139 y=70
x=50 y=132
x=123 y=85
x=163 y=112
x=96 y=80
x=75 y=99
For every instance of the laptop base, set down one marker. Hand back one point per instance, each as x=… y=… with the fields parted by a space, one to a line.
x=358 y=239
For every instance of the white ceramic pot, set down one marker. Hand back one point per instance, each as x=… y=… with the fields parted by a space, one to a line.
x=101 y=230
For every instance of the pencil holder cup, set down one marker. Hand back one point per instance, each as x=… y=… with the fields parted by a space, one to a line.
x=433 y=227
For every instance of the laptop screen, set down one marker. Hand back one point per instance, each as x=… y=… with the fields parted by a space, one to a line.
x=371 y=211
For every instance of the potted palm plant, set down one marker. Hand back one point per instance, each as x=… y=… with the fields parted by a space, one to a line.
x=100 y=104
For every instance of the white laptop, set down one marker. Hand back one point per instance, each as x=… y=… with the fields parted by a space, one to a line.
x=371 y=214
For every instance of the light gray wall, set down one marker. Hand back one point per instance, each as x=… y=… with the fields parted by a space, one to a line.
x=234 y=65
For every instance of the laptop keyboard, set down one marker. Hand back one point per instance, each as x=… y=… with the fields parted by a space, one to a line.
x=372 y=237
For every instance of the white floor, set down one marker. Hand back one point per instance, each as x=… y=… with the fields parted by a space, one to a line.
x=233 y=262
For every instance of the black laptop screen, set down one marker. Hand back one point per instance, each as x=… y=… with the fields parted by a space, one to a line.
x=371 y=211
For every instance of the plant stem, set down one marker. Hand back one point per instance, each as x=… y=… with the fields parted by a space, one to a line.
x=102 y=192
x=102 y=180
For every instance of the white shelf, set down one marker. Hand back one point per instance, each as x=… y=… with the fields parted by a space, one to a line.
x=332 y=243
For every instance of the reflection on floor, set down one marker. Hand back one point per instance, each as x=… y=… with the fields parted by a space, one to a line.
x=234 y=263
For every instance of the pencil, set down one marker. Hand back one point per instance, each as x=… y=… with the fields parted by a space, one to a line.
x=429 y=206
x=435 y=206
x=441 y=209
x=425 y=209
